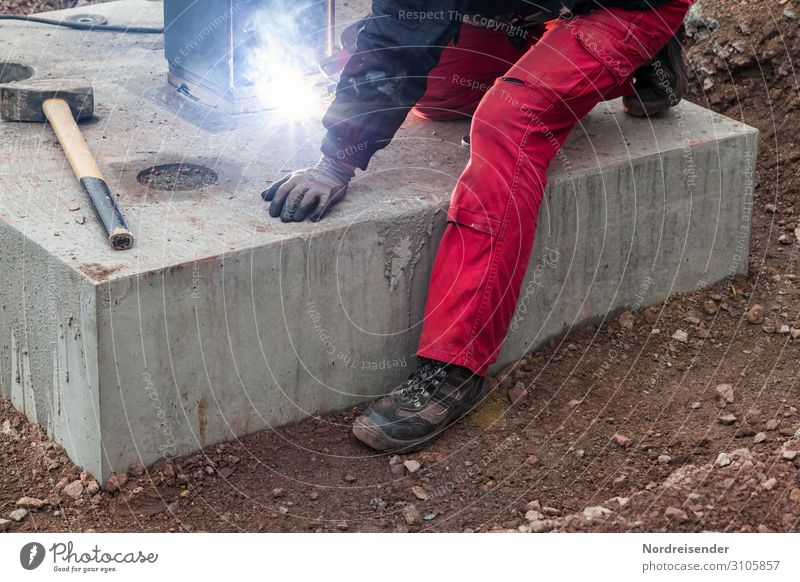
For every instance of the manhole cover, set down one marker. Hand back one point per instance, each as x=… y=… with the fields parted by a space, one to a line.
x=95 y=19
x=12 y=72
x=177 y=177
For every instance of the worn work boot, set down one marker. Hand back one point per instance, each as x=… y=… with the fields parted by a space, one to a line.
x=434 y=396
x=661 y=83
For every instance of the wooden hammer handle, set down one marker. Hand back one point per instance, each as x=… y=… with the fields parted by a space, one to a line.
x=86 y=171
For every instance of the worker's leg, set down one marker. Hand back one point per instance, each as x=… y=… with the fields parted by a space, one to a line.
x=467 y=70
x=517 y=129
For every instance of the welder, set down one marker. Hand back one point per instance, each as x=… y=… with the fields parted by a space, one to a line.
x=525 y=73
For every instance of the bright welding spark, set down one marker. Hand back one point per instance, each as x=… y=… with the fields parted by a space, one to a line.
x=282 y=63
x=289 y=90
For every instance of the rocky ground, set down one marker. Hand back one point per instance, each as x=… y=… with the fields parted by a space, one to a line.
x=681 y=417
x=33 y=6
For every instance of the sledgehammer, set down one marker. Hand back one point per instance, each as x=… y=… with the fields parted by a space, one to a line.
x=62 y=102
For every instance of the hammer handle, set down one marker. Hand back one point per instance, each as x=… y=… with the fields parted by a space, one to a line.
x=86 y=171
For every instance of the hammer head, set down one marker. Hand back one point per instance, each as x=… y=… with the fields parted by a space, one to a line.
x=23 y=101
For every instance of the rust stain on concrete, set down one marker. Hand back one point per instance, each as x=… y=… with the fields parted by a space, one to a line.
x=99 y=272
x=202 y=414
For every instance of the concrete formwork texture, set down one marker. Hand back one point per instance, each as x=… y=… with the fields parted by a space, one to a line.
x=223 y=321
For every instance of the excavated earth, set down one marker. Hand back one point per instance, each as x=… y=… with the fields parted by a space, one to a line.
x=626 y=426
x=34 y=6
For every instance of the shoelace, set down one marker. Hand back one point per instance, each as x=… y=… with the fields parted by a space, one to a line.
x=429 y=373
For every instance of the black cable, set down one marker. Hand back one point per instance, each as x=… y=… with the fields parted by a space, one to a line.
x=83 y=25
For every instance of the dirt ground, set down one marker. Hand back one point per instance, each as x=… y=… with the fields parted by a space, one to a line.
x=622 y=427
x=33 y=6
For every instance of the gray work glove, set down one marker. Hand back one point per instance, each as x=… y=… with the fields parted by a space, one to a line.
x=310 y=192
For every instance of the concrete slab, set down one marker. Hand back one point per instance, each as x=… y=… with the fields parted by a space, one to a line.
x=222 y=321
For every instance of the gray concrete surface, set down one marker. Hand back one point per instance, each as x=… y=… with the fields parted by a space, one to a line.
x=223 y=321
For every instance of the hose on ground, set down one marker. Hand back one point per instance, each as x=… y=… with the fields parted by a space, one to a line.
x=83 y=25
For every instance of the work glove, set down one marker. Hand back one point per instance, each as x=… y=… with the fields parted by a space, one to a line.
x=309 y=193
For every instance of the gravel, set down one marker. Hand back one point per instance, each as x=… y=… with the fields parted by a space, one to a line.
x=723 y=460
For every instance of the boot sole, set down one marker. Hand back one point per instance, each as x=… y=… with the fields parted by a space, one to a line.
x=371 y=435
x=635 y=107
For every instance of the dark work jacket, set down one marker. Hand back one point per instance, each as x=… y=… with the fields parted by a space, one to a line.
x=395 y=51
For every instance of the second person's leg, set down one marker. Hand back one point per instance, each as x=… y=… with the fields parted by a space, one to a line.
x=516 y=131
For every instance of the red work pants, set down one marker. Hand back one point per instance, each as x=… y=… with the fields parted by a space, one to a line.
x=520 y=122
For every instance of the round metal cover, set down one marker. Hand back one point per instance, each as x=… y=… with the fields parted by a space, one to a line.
x=87 y=19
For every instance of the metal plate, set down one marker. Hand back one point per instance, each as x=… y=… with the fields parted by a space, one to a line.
x=87 y=19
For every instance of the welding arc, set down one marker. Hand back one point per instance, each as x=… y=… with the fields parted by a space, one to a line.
x=84 y=25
